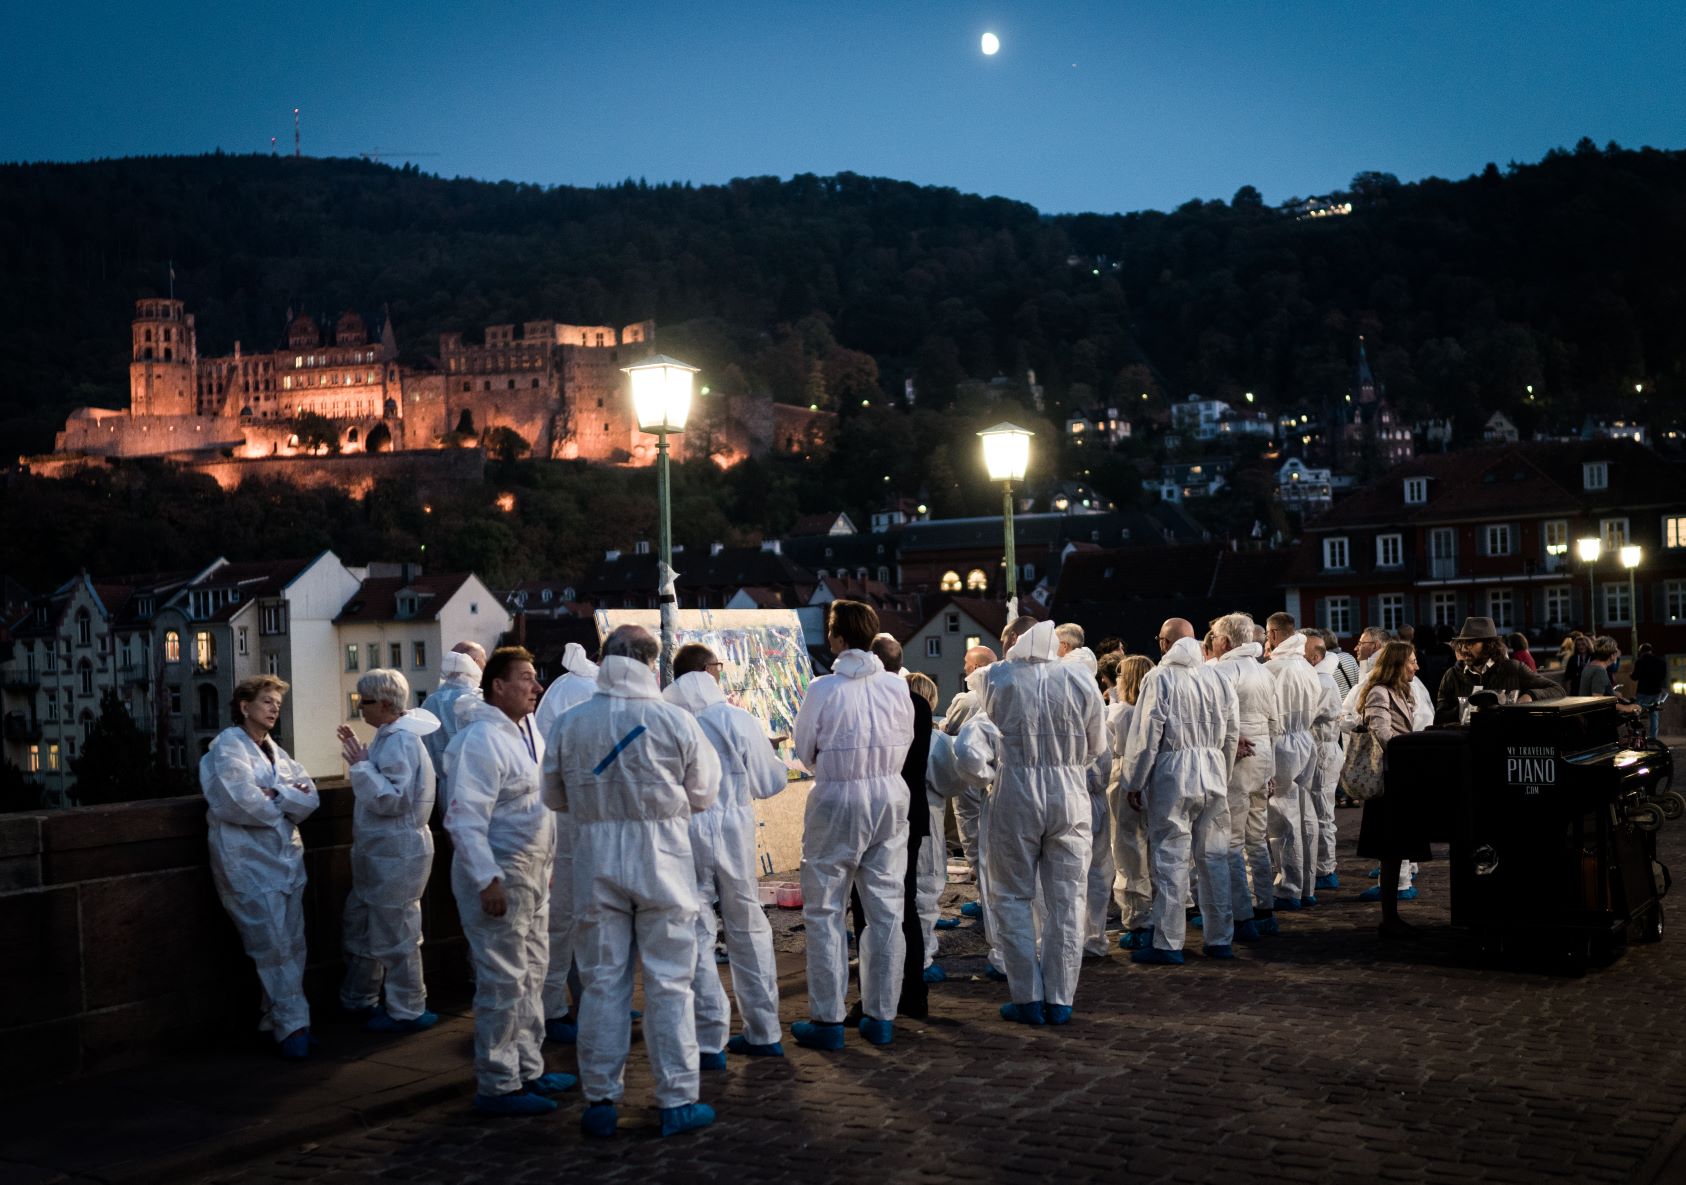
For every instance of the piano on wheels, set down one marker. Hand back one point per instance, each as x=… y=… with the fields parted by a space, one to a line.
x=1552 y=813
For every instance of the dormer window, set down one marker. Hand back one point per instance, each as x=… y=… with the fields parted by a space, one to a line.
x=1416 y=491
x=406 y=606
x=1595 y=475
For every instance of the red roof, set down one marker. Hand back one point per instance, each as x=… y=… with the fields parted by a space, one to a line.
x=376 y=599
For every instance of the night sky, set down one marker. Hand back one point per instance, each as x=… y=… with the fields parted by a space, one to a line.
x=1088 y=106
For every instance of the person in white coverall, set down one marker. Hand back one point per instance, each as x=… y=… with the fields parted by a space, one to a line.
x=633 y=769
x=257 y=795
x=977 y=759
x=1332 y=674
x=1052 y=726
x=1299 y=699
x=1177 y=762
x=723 y=852
x=1098 y=897
x=853 y=731
x=577 y=684
x=1249 y=782
x=392 y=784
x=459 y=675
x=500 y=876
x=1132 y=872
x=969 y=804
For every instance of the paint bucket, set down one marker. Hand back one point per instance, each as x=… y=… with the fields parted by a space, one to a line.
x=790 y=895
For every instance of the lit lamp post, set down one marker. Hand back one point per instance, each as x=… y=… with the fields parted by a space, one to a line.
x=1631 y=555
x=661 y=401
x=1589 y=550
x=1006 y=450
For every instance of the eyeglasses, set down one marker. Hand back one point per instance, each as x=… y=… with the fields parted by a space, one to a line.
x=1164 y=641
x=714 y=666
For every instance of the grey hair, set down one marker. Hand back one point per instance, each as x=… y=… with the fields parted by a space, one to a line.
x=1327 y=637
x=634 y=642
x=1237 y=628
x=1260 y=634
x=1377 y=633
x=1070 y=633
x=385 y=686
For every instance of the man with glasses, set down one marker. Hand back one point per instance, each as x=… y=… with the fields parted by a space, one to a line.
x=1481 y=665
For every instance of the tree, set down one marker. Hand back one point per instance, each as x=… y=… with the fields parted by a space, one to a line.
x=316 y=432
x=17 y=791
x=116 y=763
x=504 y=443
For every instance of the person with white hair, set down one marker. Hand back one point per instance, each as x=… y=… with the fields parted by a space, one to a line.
x=1237 y=661
x=1052 y=725
x=392 y=784
x=459 y=676
x=576 y=684
x=1299 y=697
x=1331 y=754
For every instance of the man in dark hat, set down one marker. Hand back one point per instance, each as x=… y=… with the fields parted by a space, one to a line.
x=1481 y=665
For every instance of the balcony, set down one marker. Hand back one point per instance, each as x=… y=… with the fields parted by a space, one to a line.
x=22 y=729
x=23 y=680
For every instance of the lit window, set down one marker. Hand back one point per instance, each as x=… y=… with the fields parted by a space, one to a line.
x=35 y=759
x=353 y=706
x=52 y=758
x=204 y=651
x=1674 y=531
x=1556 y=536
x=951 y=581
x=973 y=640
x=418 y=655
x=172 y=646
x=976 y=580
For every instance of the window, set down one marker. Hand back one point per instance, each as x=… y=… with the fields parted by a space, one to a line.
x=272 y=619
x=976 y=581
x=951 y=581
x=1416 y=491
x=418 y=655
x=353 y=706
x=1337 y=611
x=1555 y=535
x=1674 y=531
x=1595 y=475
x=973 y=640
x=85 y=678
x=204 y=651
x=272 y=663
x=242 y=646
x=53 y=758
x=883 y=574
x=1559 y=605
x=1390 y=552
x=1393 y=610
x=173 y=700
x=395 y=650
x=1674 y=600
x=1498 y=538
x=1029 y=571
x=52 y=702
x=934 y=647
x=84 y=628
x=1501 y=607
x=1617 y=607
x=177 y=753
x=1335 y=556
x=172 y=646
x=1614 y=532
x=35 y=759
x=374 y=655
x=951 y=622
x=351 y=656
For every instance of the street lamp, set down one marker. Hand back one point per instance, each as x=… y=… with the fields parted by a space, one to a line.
x=1589 y=549
x=661 y=401
x=1631 y=555
x=1006 y=450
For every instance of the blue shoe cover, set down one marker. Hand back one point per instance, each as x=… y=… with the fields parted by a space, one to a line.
x=991 y=971
x=711 y=1061
x=295 y=1045
x=1196 y=921
x=1218 y=951
x=1408 y=894
x=1024 y=1014
x=599 y=1120
x=1288 y=903
x=1373 y=893
x=517 y=1102
x=1375 y=873
x=686 y=1119
x=1307 y=902
x=878 y=1032
x=1153 y=956
x=563 y=1032
x=811 y=1034
x=384 y=1022
x=946 y=924
x=554 y=1082
x=743 y=1045
x=1329 y=881
x=1139 y=939
x=971 y=909
x=1247 y=931
x=1269 y=927
x=1058 y=1014
x=935 y=974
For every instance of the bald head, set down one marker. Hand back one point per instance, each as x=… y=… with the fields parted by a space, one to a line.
x=978 y=656
x=474 y=650
x=1174 y=629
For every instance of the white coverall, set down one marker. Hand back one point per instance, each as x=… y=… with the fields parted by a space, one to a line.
x=256 y=802
x=573 y=688
x=1102 y=867
x=977 y=760
x=459 y=676
x=853 y=731
x=391 y=861
x=1180 y=753
x=501 y=831
x=942 y=782
x=632 y=770
x=1422 y=716
x=1052 y=728
x=723 y=851
x=1249 y=796
x=1132 y=882
x=968 y=804
x=1293 y=809
x=1331 y=751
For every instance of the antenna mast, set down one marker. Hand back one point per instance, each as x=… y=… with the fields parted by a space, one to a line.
x=295 y=133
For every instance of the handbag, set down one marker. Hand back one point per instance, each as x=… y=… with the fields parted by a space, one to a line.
x=1364 y=773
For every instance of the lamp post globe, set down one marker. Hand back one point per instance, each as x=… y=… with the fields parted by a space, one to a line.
x=1006 y=454
x=1589 y=548
x=661 y=403
x=1631 y=555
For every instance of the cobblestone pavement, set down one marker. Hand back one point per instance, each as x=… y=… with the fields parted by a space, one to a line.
x=1318 y=1056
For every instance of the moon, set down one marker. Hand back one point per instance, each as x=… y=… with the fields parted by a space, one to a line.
x=991 y=45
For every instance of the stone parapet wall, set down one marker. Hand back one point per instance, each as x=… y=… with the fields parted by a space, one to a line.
x=355 y=473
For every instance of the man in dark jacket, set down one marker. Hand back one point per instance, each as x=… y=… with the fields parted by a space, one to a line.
x=1650 y=673
x=1478 y=648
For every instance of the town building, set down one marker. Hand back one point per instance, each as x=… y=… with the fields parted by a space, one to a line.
x=953 y=626
x=1304 y=489
x=1178 y=480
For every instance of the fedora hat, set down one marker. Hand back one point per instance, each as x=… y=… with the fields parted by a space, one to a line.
x=1478 y=629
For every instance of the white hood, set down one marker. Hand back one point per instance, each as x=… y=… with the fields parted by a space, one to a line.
x=1184 y=652
x=418 y=721
x=1247 y=650
x=1083 y=657
x=857 y=664
x=576 y=662
x=694 y=692
x=460 y=666
x=1292 y=646
x=627 y=678
x=471 y=709
x=1038 y=644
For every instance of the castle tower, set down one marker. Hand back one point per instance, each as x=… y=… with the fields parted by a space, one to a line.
x=161 y=378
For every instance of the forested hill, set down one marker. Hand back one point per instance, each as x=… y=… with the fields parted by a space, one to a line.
x=1565 y=274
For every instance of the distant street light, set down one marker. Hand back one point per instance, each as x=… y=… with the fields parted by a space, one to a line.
x=661 y=402
x=1631 y=555
x=1589 y=549
x=1006 y=450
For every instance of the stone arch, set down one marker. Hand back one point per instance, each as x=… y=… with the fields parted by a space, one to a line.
x=379 y=440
